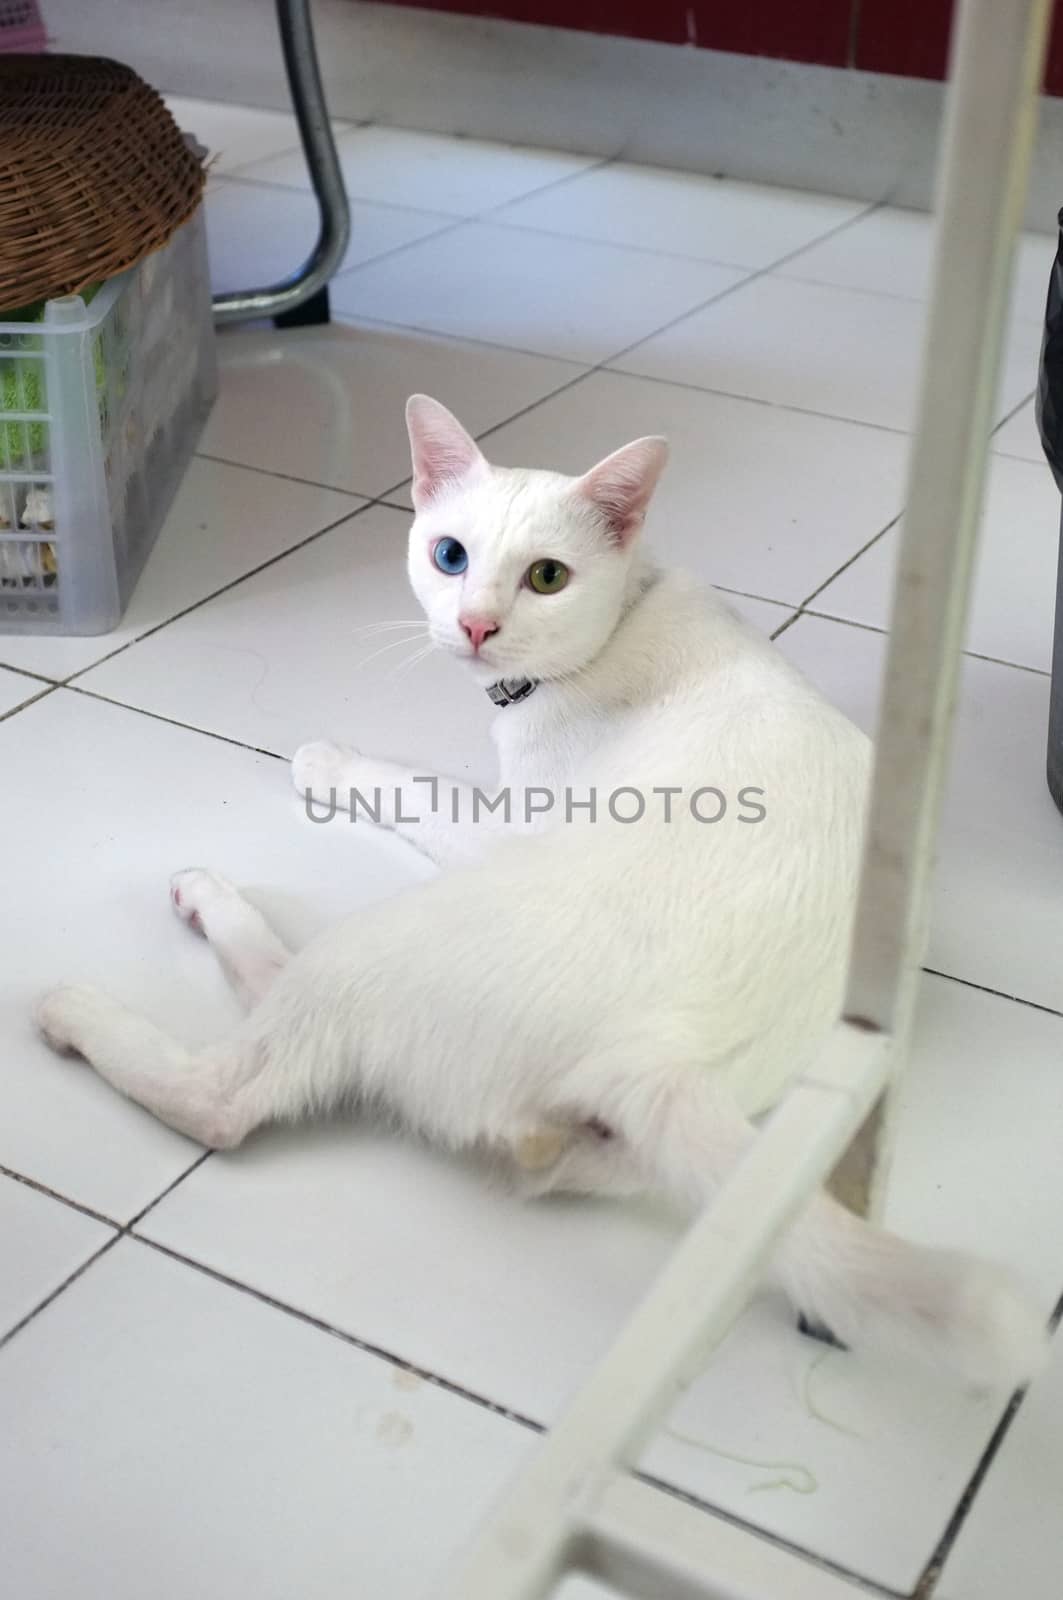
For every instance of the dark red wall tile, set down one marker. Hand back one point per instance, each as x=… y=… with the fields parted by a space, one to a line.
x=905 y=36
x=794 y=30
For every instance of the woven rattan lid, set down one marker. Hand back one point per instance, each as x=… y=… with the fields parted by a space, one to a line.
x=94 y=174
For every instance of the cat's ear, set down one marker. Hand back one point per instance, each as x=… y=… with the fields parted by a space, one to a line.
x=621 y=485
x=441 y=450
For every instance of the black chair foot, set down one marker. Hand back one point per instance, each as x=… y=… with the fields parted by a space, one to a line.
x=816 y=1330
x=311 y=314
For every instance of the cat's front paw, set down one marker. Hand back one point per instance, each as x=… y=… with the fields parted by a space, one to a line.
x=320 y=768
x=61 y=1013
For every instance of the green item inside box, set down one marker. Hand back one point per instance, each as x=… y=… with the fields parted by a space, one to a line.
x=24 y=445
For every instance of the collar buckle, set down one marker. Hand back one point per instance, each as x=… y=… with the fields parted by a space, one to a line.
x=508 y=691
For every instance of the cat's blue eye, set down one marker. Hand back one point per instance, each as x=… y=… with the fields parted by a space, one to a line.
x=450 y=556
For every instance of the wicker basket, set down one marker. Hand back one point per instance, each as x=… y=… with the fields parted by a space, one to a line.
x=94 y=175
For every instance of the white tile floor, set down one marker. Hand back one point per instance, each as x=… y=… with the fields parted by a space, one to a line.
x=307 y=1367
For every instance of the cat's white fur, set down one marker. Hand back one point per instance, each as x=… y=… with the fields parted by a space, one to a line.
x=600 y=1005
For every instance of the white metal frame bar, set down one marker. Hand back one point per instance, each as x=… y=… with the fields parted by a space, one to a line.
x=572 y=1507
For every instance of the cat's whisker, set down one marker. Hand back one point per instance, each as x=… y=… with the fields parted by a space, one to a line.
x=407 y=667
x=370 y=628
x=392 y=644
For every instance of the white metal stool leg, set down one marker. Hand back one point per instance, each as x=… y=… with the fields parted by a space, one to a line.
x=562 y=1511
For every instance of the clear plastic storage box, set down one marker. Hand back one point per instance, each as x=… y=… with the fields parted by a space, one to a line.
x=101 y=405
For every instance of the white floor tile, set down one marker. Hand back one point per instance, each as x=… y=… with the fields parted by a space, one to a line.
x=187 y=1439
x=104 y=805
x=42 y=1242
x=327 y=404
x=890 y=251
x=15 y=688
x=1012 y=1541
x=259 y=235
x=298 y=1214
x=530 y=291
x=718 y=219
x=429 y=171
x=998 y=901
x=286 y=657
x=755 y=498
x=837 y=351
x=236 y=135
x=224 y=522
x=1015 y=581
x=1019 y=436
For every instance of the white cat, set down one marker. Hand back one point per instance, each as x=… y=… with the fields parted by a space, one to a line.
x=601 y=1004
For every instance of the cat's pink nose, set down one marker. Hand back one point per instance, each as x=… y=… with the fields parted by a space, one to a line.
x=478 y=629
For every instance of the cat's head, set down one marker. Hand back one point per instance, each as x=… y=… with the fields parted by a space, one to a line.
x=521 y=573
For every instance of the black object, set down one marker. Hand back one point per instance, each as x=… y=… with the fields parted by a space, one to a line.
x=1050 y=427
x=816 y=1330
x=311 y=314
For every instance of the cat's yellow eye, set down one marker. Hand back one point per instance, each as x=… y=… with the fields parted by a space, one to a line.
x=547 y=577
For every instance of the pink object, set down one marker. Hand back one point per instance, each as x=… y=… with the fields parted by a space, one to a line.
x=21 y=27
x=478 y=629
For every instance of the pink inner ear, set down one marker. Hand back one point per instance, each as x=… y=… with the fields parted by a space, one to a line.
x=622 y=485
x=442 y=452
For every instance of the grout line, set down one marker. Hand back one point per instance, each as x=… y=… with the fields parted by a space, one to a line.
x=749 y=594
x=173 y=722
x=24 y=672
x=1007 y=418
x=455 y=220
x=499 y=221
x=864 y=548
x=745 y=267
x=121 y=1231
x=784 y=626
x=286 y=477
x=749 y=399
x=933 y=1569
x=376 y=202
x=362 y=319
x=341 y=129
x=25 y=704
x=777 y=1540
x=1013 y=455
x=194 y=1166
x=974 y=655
x=351 y=1339
x=31 y=1316
x=63 y=1199
x=594 y=164
x=347 y=516
x=1000 y=994
x=759 y=272
x=448 y=224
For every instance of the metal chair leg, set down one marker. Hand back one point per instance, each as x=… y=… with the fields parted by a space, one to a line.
x=304 y=296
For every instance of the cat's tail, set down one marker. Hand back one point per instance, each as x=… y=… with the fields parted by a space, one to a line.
x=871 y=1289
x=867 y=1287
